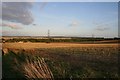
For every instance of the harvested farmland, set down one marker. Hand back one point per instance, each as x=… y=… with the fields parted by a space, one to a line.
x=63 y=60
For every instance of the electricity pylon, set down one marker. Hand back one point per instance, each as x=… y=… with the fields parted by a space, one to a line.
x=48 y=33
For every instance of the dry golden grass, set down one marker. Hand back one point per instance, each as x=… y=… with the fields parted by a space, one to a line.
x=52 y=45
x=76 y=60
x=34 y=69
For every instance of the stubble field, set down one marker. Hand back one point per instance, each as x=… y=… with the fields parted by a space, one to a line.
x=52 y=45
x=65 y=60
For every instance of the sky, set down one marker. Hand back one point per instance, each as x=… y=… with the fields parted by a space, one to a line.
x=77 y=19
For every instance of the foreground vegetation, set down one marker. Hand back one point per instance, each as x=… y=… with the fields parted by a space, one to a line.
x=69 y=62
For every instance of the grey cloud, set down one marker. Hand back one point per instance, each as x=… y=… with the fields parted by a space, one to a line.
x=11 y=25
x=17 y=12
x=102 y=28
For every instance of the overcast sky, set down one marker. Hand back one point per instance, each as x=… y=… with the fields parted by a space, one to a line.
x=81 y=19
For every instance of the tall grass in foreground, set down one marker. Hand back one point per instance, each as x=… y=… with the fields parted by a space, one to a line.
x=30 y=66
x=35 y=69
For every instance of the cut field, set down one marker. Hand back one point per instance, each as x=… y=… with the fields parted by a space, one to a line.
x=65 y=60
x=52 y=45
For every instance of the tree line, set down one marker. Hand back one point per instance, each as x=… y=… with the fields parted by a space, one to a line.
x=55 y=40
